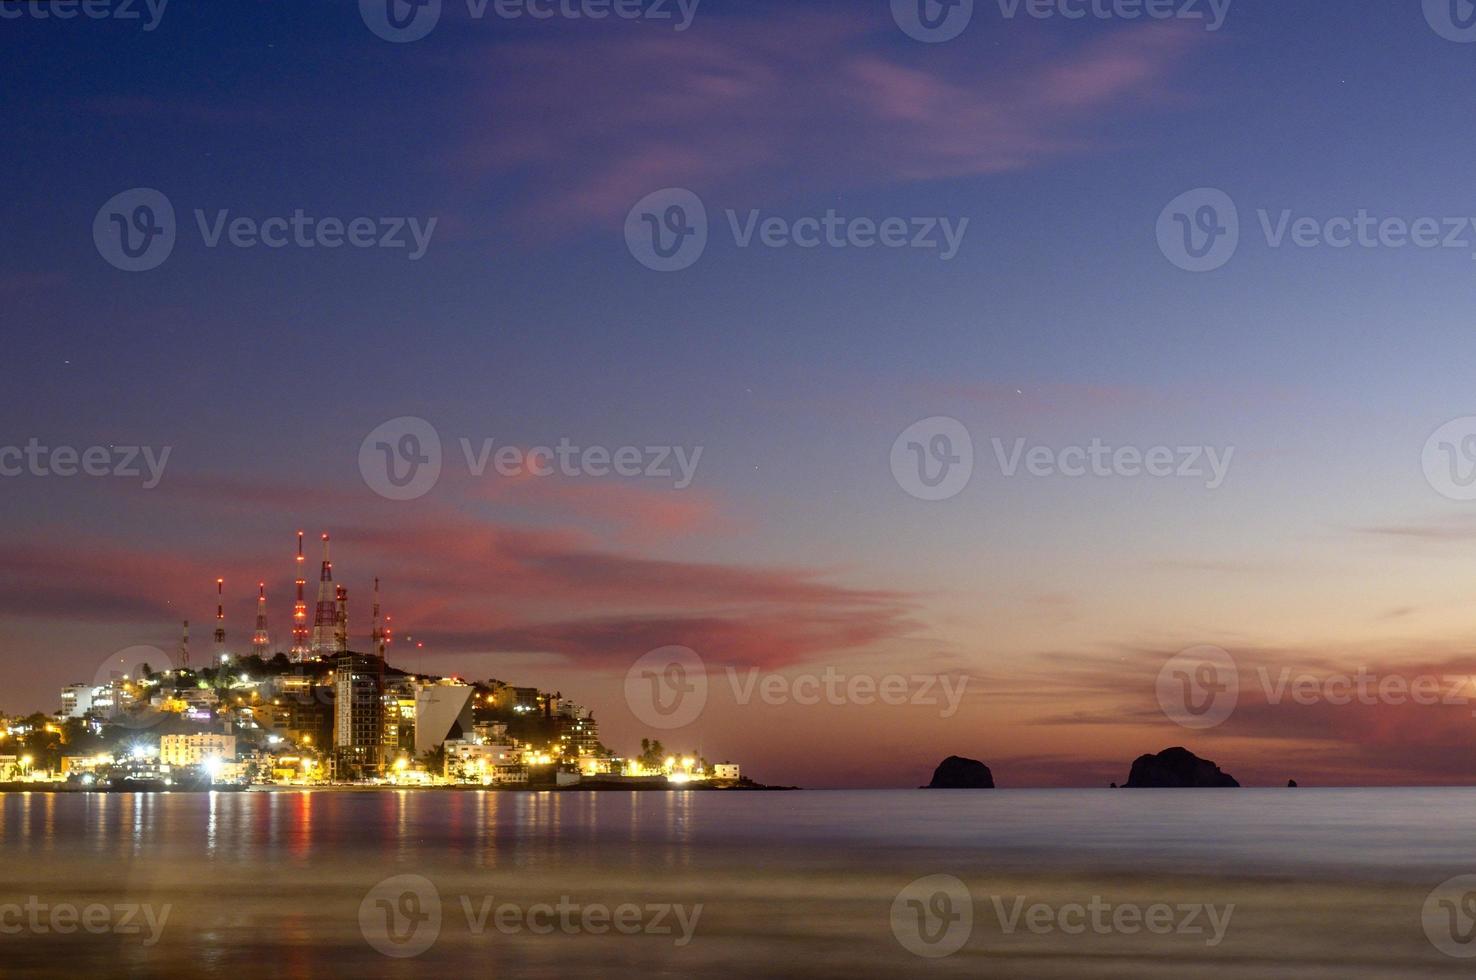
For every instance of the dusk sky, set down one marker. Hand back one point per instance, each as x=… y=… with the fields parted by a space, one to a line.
x=1322 y=371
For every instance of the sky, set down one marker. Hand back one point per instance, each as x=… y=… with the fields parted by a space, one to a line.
x=1322 y=367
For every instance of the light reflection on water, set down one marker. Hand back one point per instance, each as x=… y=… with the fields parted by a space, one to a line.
x=790 y=882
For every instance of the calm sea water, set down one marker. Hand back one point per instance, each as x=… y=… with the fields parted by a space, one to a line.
x=1301 y=883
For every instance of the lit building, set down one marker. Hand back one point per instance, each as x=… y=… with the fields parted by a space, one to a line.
x=76 y=700
x=483 y=762
x=399 y=716
x=358 y=715
x=578 y=736
x=725 y=770
x=520 y=700
x=194 y=750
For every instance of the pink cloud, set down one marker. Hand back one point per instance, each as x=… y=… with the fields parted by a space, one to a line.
x=809 y=103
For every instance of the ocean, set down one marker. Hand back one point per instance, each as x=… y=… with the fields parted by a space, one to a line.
x=1012 y=883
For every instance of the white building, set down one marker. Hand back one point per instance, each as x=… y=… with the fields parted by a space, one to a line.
x=76 y=700
x=484 y=762
x=194 y=750
x=442 y=712
x=725 y=770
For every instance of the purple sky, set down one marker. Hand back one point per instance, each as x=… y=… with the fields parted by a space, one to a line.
x=1059 y=320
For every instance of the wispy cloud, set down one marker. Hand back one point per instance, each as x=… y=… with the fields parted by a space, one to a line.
x=804 y=103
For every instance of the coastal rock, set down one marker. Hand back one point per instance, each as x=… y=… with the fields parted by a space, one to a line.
x=1177 y=768
x=955 y=772
x=1291 y=784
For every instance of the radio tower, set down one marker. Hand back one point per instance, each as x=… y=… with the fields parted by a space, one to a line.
x=300 y=611
x=184 y=646
x=340 y=621
x=260 y=643
x=377 y=635
x=220 y=650
x=324 y=625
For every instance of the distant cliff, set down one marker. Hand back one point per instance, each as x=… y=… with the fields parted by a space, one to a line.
x=1177 y=768
x=955 y=772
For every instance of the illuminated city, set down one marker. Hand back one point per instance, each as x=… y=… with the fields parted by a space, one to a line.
x=321 y=714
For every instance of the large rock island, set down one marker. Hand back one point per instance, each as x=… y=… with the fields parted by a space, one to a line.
x=955 y=772
x=1177 y=768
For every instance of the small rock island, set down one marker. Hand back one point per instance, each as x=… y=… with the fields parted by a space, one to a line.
x=1177 y=768
x=956 y=772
